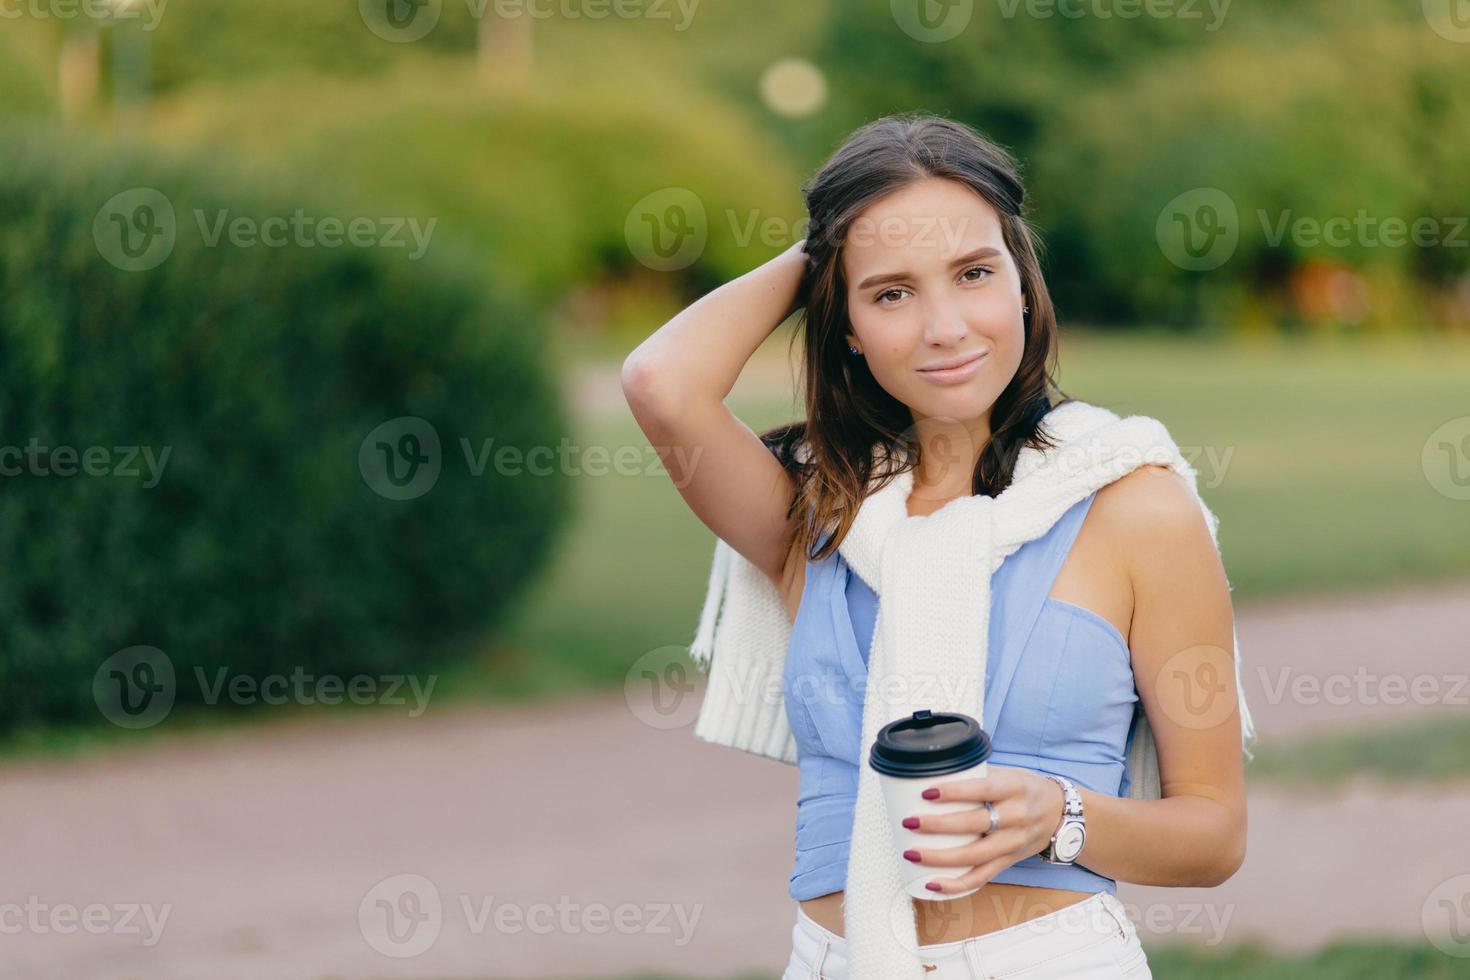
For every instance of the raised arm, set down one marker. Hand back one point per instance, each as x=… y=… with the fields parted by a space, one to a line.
x=676 y=383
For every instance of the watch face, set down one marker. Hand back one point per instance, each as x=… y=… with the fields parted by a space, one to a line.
x=1069 y=842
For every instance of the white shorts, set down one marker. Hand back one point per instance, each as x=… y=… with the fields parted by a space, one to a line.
x=1093 y=938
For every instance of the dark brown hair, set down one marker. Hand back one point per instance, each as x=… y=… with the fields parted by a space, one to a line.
x=855 y=431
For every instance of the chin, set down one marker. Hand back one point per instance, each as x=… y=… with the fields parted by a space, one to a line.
x=960 y=402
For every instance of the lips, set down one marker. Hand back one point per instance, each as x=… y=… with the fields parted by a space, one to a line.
x=967 y=368
x=953 y=362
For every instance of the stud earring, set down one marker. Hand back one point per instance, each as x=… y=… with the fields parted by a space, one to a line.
x=1025 y=311
x=851 y=349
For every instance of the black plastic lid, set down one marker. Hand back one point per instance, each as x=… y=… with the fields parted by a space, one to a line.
x=929 y=744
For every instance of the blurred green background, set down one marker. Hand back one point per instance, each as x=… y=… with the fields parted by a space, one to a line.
x=1219 y=196
x=541 y=148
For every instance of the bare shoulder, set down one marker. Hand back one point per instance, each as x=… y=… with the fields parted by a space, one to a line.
x=1155 y=520
x=1148 y=495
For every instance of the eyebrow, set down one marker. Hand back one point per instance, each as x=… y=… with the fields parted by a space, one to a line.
x=985 y=252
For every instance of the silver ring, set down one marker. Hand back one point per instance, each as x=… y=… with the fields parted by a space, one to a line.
x=994 y=821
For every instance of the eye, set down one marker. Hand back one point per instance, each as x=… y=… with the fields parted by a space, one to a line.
x=965 y=276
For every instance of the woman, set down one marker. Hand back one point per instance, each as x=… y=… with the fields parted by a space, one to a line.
x=928 y=329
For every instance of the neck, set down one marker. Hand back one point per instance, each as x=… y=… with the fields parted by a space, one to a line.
x=949 y=451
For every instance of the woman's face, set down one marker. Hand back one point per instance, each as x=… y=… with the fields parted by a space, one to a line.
x=930 y=282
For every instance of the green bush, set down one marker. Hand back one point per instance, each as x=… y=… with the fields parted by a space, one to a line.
x=1007 y=75
x=539 y=178
x=1372 y=119
x=226 y=41
x=27 y=67
x=1320 y=106
x=221 y=40
x=267 y=543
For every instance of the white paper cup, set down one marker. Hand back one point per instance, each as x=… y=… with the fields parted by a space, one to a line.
x=912 y=754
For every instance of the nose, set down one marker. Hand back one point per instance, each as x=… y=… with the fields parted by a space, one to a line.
x=944 y=324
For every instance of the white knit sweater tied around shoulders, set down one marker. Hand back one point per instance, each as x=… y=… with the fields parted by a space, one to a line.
x=932 y=578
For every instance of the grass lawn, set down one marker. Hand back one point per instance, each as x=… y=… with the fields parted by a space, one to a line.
x=1343 y=961
x=1431 y=749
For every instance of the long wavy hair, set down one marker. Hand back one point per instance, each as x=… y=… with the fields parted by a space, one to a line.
x=855 y=432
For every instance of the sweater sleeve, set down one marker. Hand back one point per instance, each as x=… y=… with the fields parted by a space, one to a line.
x=742 y=638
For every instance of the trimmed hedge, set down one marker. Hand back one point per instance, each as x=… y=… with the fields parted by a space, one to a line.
x=264 y=546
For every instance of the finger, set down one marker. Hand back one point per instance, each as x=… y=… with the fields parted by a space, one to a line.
x=980 y=875
x=999 y=784
x=975 y=820
x=974 y=853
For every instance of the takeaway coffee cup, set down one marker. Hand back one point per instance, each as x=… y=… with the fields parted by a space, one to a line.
x=912 y=754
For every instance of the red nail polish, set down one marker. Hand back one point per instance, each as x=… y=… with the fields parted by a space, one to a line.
x=931 y=794
x=911 y=856
x=911 y=823
x=933 y=886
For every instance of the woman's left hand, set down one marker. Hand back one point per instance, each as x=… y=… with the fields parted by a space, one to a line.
x=1029 y=809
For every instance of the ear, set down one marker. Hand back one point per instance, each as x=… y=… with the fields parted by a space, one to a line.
x=852 y=341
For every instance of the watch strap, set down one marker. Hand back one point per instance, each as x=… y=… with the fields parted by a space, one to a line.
x=1071 y=813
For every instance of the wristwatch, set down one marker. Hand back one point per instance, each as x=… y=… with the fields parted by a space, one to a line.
x=1071 y=834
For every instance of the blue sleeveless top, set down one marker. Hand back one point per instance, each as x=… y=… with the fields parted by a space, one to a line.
x=1059 y=698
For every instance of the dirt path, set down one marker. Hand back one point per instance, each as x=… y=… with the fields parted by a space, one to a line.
x=577 y=840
